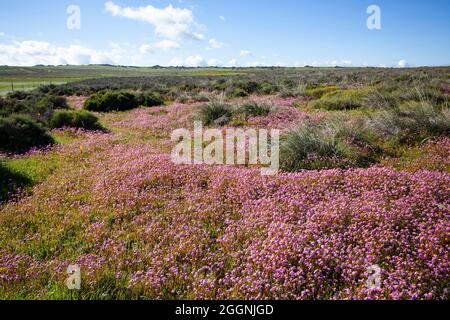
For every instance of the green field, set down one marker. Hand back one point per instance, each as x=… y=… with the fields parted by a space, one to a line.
x=28 y=78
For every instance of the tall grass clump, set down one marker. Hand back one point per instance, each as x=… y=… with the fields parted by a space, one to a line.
x=20 y=133
x=411 y=122
x=335 y=143
x=255 y=109
x=215 y=112
x=308 y=148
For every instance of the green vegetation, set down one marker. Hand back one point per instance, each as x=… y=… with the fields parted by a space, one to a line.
x=111 y=101
x=309 y=148
x=19 y=134
x=215 y=110
x=363 y=141
x=150 y=99
x=255 y=109
x=74 y=119
x=342 y=99
x=11 y=182
x=318 y=93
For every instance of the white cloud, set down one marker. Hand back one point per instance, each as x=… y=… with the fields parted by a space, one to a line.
x=177 y=62
x=192 y=61
x=2 y=34
x=257 y=64
x=146 y=48
x=195 y=61
x=29 y=53
x=171 y=23
x=214 y=44
x=403 y=63
x=164 y=45
x=197 y=36
x=214 y=63
x=222 y=18
x=245 y=53
x=340 y=63
x=233 y=63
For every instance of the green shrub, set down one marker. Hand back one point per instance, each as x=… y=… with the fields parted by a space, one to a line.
x=75 y=119
x=39 y=107
x=213 y=111
x=111 y=101
x=20 y=133
x=150 y=100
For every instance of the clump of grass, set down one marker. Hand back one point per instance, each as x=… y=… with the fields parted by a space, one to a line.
x=411 y=122
x=336 y=143
x=308 y=148
x=255 y=109
x=239 y=93
x=212 y=111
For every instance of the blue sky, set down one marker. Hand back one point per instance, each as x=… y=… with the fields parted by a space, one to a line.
x=225 y=32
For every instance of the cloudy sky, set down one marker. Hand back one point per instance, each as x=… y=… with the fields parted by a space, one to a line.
x=225 y=32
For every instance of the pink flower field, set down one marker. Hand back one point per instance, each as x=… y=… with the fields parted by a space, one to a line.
x=140 y=226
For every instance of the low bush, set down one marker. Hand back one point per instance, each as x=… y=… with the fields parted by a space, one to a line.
x=150 y=99
x=40 y=107
x=19 y=133
x=75 y=119
x=111 y=101
x=318 y=93
x=342 y=100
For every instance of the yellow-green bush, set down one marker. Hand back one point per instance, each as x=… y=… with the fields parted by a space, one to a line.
x=318 y=93
x=342 y=100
